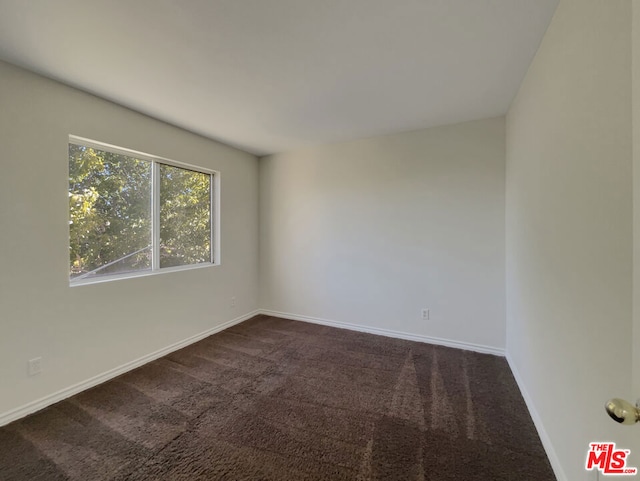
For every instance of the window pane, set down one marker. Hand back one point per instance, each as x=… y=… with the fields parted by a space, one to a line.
x=185 y=217
x=110 y=213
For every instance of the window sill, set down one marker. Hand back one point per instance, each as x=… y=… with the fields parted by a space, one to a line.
x=146 y=273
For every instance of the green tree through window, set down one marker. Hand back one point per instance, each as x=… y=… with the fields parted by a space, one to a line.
x=111 y=209
x=185 y=220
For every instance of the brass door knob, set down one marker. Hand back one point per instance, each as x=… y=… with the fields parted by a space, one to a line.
x=622 y=411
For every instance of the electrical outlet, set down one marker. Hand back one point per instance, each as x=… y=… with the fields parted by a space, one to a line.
x=34 y=366
x=233 y=301
x=425 y=314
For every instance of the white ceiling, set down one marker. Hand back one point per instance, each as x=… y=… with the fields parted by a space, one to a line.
x=274 y=75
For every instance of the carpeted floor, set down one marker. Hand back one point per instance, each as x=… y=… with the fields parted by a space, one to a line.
x=272 y=399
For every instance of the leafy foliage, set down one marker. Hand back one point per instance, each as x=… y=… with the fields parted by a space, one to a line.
x=110 y=211
x=185 y=222
x=110 y=224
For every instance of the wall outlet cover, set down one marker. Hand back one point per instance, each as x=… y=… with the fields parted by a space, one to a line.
x=34 y=366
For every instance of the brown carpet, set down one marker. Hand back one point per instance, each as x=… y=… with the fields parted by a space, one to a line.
x=272 y=399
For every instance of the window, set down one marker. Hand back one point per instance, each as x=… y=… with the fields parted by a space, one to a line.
x=134 y=214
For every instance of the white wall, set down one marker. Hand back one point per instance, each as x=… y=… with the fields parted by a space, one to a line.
x=635 y=51
x=636 y=199
x=84 y=331
x=369 y=232
x=569 y=229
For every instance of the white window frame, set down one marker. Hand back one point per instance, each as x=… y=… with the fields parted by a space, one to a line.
x=155 y=212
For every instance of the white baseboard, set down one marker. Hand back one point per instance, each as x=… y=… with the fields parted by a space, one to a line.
x=389 y=333
x=34 y=406
x=537 y=421
x=37 y=405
